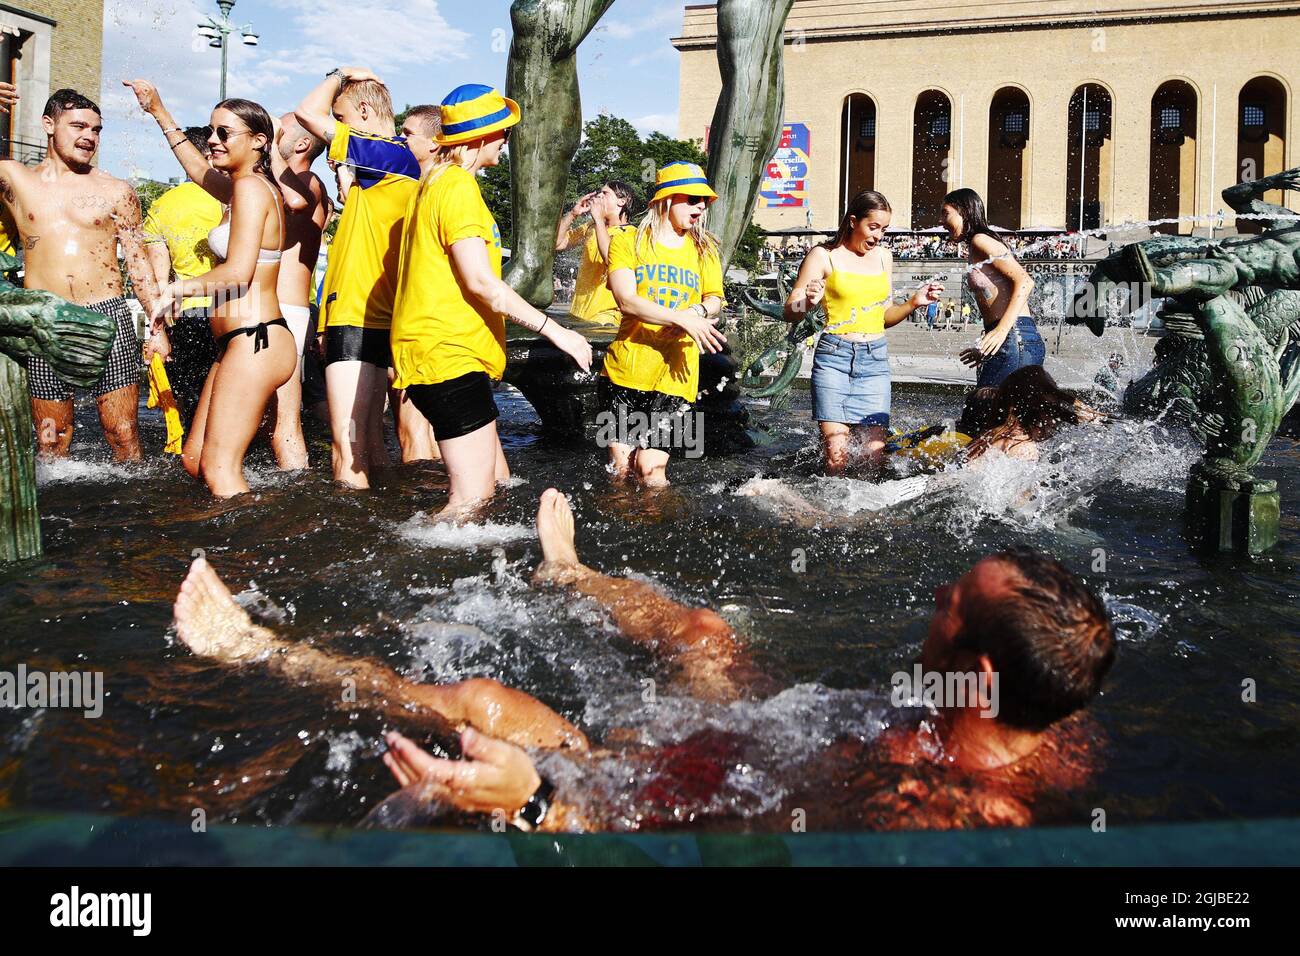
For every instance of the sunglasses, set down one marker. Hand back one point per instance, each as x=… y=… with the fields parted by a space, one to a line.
x=224 y=133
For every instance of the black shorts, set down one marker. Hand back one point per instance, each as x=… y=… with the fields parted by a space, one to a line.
x=456 y=407
x=350 y=343
x=630 y=416
x=120 y=371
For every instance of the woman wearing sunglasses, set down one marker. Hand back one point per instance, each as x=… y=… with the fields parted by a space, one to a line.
x=256 y=351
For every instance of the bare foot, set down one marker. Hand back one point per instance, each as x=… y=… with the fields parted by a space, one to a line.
x=211 y=624
x=560 y=562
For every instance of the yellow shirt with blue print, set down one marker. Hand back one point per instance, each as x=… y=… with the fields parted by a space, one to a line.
x=438 y=333
x=660 y=358
x=361 y=279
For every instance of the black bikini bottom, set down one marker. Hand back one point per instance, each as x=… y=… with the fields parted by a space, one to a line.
x=259 y=332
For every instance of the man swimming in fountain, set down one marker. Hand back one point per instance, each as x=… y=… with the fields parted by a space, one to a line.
x=1016 y=616
x=71 y=217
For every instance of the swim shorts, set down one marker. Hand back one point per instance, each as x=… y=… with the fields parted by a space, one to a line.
x=122 y=370
x=457 y=406
x=349 y=343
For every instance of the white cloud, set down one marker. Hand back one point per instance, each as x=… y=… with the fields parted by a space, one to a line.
x=623 y=27
x=665 y=123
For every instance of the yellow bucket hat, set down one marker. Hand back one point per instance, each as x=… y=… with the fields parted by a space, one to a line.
x=682 y=179
x=473 y=111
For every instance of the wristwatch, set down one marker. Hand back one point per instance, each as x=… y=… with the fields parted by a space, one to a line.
x=337 y=73
x=532 y=813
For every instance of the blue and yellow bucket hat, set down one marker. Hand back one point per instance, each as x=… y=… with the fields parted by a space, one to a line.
x=682 y=179
x=473 y=111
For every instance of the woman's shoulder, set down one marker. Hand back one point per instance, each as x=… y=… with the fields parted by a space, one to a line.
x=988 y=245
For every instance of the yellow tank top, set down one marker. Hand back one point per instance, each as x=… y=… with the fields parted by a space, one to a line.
x=855 y=302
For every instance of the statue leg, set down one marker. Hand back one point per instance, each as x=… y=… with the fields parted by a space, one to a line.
x=746 y=126
x=543 y=76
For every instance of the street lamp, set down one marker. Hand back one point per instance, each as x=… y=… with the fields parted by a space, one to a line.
x=217 y=33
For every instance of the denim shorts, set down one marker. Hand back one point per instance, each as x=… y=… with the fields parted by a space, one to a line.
x=850 y=381
x=1024 y=346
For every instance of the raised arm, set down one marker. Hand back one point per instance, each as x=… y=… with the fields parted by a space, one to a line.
x=567 y=220
x=1245 y=198
x=196 y=165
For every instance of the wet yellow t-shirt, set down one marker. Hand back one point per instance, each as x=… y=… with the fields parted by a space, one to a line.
x=181 y=218
x=591 y=295
x=437 y=333
x=660 y=358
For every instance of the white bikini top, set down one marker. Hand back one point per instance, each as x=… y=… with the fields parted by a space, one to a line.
x=219 y=237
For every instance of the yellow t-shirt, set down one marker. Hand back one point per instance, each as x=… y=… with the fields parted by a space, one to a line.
x=660 y=358
x=361 y=278
x=8 y=233
x=181 y=219
x=437 y=333
x=591 y=296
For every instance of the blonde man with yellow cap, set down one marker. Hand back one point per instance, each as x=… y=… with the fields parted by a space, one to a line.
x=449 y=337
x=667 y=280
x=353 y=112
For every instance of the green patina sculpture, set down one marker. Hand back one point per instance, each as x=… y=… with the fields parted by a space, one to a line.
x=76 y=343
x=1231 y=364
x=543 y=76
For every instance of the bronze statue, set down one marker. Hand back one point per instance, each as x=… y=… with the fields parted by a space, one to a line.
x=76 y=342
x=1230 y=363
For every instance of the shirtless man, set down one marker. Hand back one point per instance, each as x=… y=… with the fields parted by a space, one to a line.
x=71 y=217
x=303 y=228
x=1016 y=616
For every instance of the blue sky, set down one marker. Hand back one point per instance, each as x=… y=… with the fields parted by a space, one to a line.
x=421 y=48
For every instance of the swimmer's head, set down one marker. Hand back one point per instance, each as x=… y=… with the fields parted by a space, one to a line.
x=365 y=105
x=72 y=126
x=295 y=140
x=419 y=127
x=864 y=223
x=1025 y=618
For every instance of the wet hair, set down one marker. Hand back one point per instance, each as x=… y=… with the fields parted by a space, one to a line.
x=429 y=118
x=631 y=202
x=198 y=136
x=974 y=219
x=1051 y=643
x=61 y=101
x=1028 y=398
x=371 y=92
x=864 y=202
x=259 y=122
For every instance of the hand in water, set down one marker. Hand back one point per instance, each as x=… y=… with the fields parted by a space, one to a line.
x=704 y=332
x=571 y=343
x=493 y=775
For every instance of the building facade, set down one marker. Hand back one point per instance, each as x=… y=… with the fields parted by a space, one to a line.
x=1061 y=113
x=46 y=45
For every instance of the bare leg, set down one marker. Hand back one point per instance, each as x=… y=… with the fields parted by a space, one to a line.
x=620 y=461
x=835 y=446
x=240 y=392
x=870 y=440
x=118 y=414
x=697 y=640
x=502 y=466
x=192 y=452
x=348 y=394
x=376 y=450
x=211 y=624
x=471 y=462
x=53 y=421
x=652 y=467
x=414 y=433
x=287 y=440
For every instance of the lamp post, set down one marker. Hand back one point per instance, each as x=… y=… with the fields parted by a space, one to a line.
x=217 y=32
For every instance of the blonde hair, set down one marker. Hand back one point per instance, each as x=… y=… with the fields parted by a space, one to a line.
x=445 y=157
x=374 y=94
x=656 y=217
